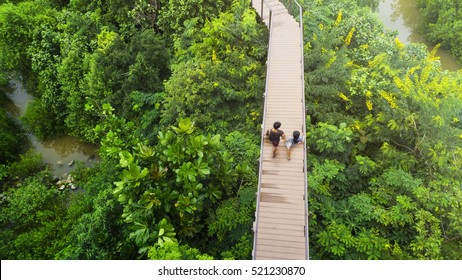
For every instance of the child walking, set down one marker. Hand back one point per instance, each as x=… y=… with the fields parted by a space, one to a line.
x=294 y=140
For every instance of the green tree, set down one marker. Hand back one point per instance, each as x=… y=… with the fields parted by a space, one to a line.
x=17 y=26
x=94 y=216
x=218 y=66
x=174 y=14
x=442 y=23
x=174 y=251
x=167 y=190
x=41 y=121
x=27 y=165
x=31 y=221
x=127 y=76
x=10 y=136
x=229 y=226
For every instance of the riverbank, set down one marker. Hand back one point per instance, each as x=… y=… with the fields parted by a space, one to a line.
x=403 y=16
x=57 y=153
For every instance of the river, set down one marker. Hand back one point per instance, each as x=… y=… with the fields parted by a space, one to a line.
x=56 y=153
x=403 y=16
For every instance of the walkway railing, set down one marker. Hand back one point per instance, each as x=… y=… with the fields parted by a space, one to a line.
x=264 y=121
x=263 y=2
x=295 y=10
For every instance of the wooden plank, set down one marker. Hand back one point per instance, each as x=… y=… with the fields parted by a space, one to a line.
x=282 y=221
x=287 y=169
x=269 y=186
x=275 y=176
x=290 y=191
x=281 y=171
x=284 y=183
x=299 y=207
x=264 y=255
x=278 y=215
x=284 y=186
x=287 y=243
x=275 y=104
x=273 y=170
x=280 y=168
x=279 y=174
x=271 y=237
x=281 y=252
x=281 y=249
x=272 y=187
x=271 y=194
x=267 y=210
x=293 y=192
x=280 y=233
x=277 y=199
x=288 y=228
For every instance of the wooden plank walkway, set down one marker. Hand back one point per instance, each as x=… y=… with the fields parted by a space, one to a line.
x=281 y=216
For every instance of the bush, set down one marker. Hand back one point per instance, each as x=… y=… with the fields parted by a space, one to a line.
x=10 y=136
x=29 y=164
x=442 y=23
x=41 y=121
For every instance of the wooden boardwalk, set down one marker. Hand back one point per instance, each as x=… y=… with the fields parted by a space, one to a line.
x=281 y=218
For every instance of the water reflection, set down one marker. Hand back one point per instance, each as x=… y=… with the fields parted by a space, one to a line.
x=8 y=104
x=18 y=98
x=67 y=145
x=58 y=153
x=403 y=16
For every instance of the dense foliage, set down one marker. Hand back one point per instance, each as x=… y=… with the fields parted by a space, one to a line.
x=172 y=95
x=385 y=141
x=218 y=72
x=10 y=136
x=442 y=23
x=32 y=221
x=143 y=79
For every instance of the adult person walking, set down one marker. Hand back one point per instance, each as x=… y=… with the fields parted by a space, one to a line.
x=275 y=135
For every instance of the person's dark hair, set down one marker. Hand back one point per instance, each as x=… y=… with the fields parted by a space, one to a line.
x=277 y=125
x=296 y=134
